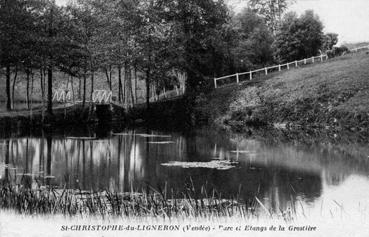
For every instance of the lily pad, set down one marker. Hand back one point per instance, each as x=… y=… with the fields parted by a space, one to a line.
x=241 y=152
x=214 y=164
x=162 y=142
x=81 y=138
x=153 y=135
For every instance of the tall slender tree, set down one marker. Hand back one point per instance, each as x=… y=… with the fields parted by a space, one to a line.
x=271 y=10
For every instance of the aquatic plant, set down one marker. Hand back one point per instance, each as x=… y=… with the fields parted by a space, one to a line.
x=150 y=203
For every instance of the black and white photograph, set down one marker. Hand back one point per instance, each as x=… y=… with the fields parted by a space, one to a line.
x=184 y=118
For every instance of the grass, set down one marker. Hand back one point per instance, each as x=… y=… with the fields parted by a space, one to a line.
x=334 y=93
x=340 y=222
x=163 y=204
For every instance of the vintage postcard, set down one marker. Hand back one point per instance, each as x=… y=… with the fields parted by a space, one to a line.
x=184 y=118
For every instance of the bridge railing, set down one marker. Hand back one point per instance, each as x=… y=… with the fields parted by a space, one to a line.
x=98 y=96
x=62 y=96
x=106 y=97
x=102 y=96
x=168 y=94
x=164 y=95
x=250 y=75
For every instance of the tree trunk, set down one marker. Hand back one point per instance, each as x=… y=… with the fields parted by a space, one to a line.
x=107 y=75
x=135 y=71
x=120 y=94
x=92 y=84
x=111 y=77
x=147 y=81
x=27 y=89
x=8 y=98
x=72 y=85
x=79 y=88
x=124 y=84
x=42 y=84
x=32 y=87
x=92 y=77
x=126 y=88
x=84 y=90
x=7 y=156
x=14 y=82
x=131 y=87
x=50 y=91
x=50 y=70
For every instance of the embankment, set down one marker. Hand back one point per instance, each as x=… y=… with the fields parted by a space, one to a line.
x=333 y=95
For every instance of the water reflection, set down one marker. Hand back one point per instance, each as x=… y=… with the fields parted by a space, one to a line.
x=280 y=175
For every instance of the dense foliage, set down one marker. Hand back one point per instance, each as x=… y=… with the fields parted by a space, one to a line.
x=202 y=38
x=299 y=37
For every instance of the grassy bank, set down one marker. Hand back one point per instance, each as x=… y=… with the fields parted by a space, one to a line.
x=333 y=94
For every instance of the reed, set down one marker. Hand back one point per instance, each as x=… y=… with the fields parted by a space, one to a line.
x=155 y=203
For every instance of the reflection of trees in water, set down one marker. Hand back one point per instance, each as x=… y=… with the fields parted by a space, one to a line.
x=276 y=174
x=338 y=161
x=75 y=163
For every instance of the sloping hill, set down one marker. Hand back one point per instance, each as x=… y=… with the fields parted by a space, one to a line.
x=335 y=93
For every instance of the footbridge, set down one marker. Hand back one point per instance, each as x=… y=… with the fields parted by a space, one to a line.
x=102 y=97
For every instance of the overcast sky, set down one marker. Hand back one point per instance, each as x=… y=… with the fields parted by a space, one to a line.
x=348 y=18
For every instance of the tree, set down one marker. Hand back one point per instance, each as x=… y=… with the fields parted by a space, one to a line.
x=271 y=10
x=16 y=26
x=329 y=40
x=85 y=23
x=51 y=42
x=198 y=25
x=254 y=41
x=299 y=37
x=153 y=41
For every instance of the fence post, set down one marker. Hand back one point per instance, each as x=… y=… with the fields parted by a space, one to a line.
x=279 y=67
x=266 y=71
x=296 y=63
x=313 y=59
x=321 y=58
x=215 y=83
x=305 y=61
x=250 y=75
x=238 y=78
x=288 y=66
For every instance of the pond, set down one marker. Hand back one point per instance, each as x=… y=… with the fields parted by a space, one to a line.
x=310 y=178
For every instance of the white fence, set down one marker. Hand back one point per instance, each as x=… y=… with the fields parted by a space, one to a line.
x=238 y=77
x=360 y=49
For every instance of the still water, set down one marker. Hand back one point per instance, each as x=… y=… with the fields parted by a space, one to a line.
x=314 y=176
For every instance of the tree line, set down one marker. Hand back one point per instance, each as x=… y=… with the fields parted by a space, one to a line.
x=203 y=38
